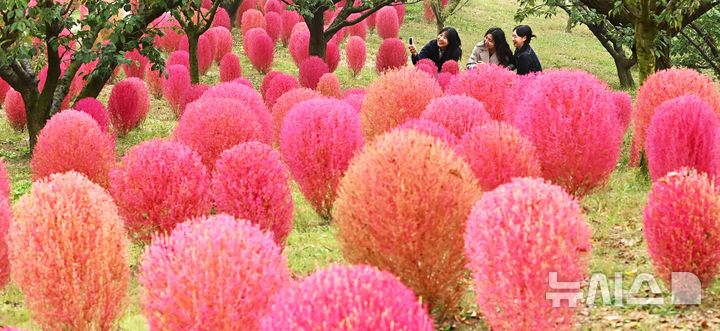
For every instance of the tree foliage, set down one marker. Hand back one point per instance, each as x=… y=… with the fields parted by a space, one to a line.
x=698 y=44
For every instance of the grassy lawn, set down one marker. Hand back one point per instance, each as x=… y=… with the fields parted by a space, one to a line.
x=614 y=212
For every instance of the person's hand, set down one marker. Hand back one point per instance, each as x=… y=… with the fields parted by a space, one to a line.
x=413 y=51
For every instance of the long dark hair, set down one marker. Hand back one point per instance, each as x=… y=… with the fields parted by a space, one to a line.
x=453 y=39
x=524 y=31
x=502 y=49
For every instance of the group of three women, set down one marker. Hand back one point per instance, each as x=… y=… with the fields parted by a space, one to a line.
x=493 y=49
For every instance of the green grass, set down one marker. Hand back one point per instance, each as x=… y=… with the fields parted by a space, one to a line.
x=614 y=212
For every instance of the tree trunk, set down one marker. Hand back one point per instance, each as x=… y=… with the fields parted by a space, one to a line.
x=316 y=25
x=36 y=117
x=664 y=61
x=624 y=74
x=193 y=50
x=645 y=34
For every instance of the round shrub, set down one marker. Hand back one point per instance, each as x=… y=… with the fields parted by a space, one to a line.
x=251 y=182
x=332 y=56
x=178 y=57
x=128 y=105
x=570 y=118
x=298 y=46
x=204 y=54
x=159 y=184
x=175 y=85
x=457 y=113
x=400 y=10
x=623 y=102
x=4 y=88
x=516 y=235
x=289 y=19
x=300 y=27
x=222 y=19
x=277 y=86
x=139 y=65
x=252 y=18
x=444 y=79
x=285 y=102
x=68 y=254
x=96 y=110
x=230 y=67
x=683 y=132
x=274 y=25
x=273 y=6
x=250 y=35
x=195 y=92
x=387 y=23
x=72 y=140
x=489 y=84
x=413 y=214
x=347 y=298
x=355 y=54
x=391 y=55
x=15 y=110
x=329 y=85
x=497 y=152
x=680 y=222
x=170 y=38
x=266 y=82
x=154 y=80
x=429 y=63
x=317 y=141
x=395 y=97
x=211 y=125
x=5 y=220
x=311 y=69
x=354 y=90
x=245 y=93
x=244 y=6
x=355 y=100
x=215 y=272
x=223 y=42
x=451 y=67
x=431 y=70
x=262 y=52
x=663 y=86
x=432 y=129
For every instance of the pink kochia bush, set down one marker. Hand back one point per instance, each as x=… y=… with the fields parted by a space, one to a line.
x=159 y=184
x=681 y=226
x=395 y=97
x=298 y=46
x=230 y=67
x=262 y=52
x=285 y=103
x=4 y=88
x=451 y=67
x=217 y=273
x=68 y=254
x=129 y=104
x=318 y=139
x=139 y=65
x=311 y=69
x=245 y=93
x=497 y=152
x=195 y=92
x=347 y=298
x=289 y=19
x=391 y=55
x=178 y=57
x=387 y=23
x=277 y=86
x=457 y=113
x=95 y=109
x=516 y=236
x=15 y=110
x=223 y=42
x=222 y=19
x=402 y=206
x=623 y=102
x=355 y=54
x=572 y=121
x=489 y=84
x=72 y=140
x=329 y=85
x=211 y=125
x=252 y=18
x=5 y=219
x=274 y=25
x=332 y=56
x=154 y=80
x=430 y=128
x=204 y=55
x=175 y=85
x=684 y=132
x=663 y=86
x=251 y=182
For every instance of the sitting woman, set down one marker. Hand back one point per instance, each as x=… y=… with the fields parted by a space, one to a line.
x=494 y=49
x=446 y=47
x=525 y=59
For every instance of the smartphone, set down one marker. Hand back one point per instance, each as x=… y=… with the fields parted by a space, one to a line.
x=411 y=41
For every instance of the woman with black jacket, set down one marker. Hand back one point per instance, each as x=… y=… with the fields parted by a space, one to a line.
x=446 y=47
x=525 y=59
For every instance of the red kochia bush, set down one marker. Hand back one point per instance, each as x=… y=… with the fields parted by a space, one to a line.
x=273 y=6
x=429 y=63
x=497 y=152
x=663 y=86
x=178 y=57
x=623 y=102
x=683 y=133
x=451 y=67
x=298 y=46
x=177 y=82
x=681 y=226
x=216 y=273
x=5 y=219
x=457 y=113
x=159 y=184
x=311 y=69
x=277 y=86
x=250 y=35
x=396 y=97
x=72 y=140
x=230 y=68
x=289 y=19
x=95 y=109
x=359 y=29
x=329 y=85
x=222 y=19
x=391 y=55
x=387 y=23
x=572 y=121
x=355 y=54
x=245 y=94
x=204 y=54
x=223 y=42
x=318 y=139
x=332 y=56
x=413 y=214
x=195 y=92
x=489 y=84
x=444 y=79
x=68 y=254
x=274 y=25
x=347 y=298
x=139 y=65
x=285 y=102
x=129 y=104
x=211 y=125
x=15 y=110
x=154 y=80
x=516 y=236
x=262 y=52
x=252 y=18
x=251 y=182
x=430 y=128
x=168 y=42
x=244 y=6
x=4 y=88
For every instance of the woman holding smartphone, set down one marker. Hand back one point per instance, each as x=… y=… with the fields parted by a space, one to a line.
x=444 y=48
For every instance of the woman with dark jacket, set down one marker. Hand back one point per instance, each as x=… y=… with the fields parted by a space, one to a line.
x=524 y=58
x=446 y=47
